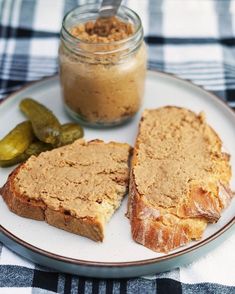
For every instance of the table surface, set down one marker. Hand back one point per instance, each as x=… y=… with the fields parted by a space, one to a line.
x=194 y=40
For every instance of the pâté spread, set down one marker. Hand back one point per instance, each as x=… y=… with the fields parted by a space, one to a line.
x=102 y=66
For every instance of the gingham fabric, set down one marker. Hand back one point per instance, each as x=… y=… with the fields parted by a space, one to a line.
x=194 y=39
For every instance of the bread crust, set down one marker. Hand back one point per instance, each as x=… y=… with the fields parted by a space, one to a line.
x=38 y=210
x=22 y=205
x=163 y=230
x=148 y=227
x=91 y=226
x=19 y=204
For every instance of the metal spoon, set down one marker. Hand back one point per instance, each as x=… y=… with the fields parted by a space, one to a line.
x=109 y=8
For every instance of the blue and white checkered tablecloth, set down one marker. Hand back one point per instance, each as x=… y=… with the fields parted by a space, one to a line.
x=194 y=39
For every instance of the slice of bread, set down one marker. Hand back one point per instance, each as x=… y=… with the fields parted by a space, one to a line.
x=179 y=179
x=76 y=187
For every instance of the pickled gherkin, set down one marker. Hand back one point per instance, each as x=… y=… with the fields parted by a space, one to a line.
x=18 y=159
x=69 y=133
x=42 y=132
x=17 y=141
x=45 y=125
x=34 y=148
x=37 y=147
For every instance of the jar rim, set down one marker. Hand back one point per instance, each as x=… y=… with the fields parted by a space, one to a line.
x=127 y=11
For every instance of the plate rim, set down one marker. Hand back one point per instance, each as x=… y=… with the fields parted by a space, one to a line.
x=122 y=264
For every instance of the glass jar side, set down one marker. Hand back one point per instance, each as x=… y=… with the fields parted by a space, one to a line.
x=99 y=87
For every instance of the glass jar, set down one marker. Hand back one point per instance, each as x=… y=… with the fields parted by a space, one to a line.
x=102 y=83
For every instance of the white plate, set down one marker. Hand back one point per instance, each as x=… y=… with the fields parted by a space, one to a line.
x=118 y=255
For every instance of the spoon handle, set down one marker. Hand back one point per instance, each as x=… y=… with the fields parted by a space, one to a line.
x=109 y=8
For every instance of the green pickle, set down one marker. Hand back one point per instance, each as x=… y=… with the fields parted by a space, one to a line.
x=45 y=125
x=34 y=148
x=42 y=133
x=18 y=159
x=69 y=133
x=17 y=141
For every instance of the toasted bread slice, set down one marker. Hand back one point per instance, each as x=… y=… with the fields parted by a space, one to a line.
x=179 y=179
x=76 y=187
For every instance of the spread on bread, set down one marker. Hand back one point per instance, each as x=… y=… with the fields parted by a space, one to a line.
x=76 y=187
x=179 y=179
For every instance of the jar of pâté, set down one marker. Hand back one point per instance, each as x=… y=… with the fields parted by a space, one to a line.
x=102 y=65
